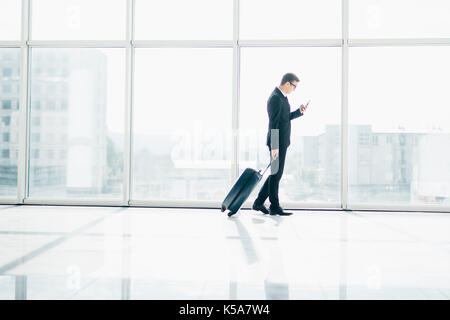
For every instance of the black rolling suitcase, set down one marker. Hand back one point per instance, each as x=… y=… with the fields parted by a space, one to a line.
x=242 y=189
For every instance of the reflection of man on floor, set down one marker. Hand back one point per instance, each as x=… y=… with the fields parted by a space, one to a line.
x=278 y=140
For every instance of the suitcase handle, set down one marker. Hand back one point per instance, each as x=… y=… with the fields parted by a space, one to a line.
x=266 y=167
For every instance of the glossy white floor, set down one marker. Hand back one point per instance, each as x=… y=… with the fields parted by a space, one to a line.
x=60 y=252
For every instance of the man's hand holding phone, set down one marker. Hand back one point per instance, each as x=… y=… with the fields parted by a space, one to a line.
x=304 y=107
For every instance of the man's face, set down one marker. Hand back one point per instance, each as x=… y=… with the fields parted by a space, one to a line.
x=292 y=86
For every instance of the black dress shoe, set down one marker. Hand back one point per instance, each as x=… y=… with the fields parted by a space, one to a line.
x=279 y=211
x=260 y=207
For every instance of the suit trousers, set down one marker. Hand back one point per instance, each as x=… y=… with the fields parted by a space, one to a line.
x=270 y=187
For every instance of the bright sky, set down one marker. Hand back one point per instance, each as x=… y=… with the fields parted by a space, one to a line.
x=399 y=18
x=407 y=87
x=10 y=17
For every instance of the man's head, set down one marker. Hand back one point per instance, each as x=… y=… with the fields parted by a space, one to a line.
x=289 y=83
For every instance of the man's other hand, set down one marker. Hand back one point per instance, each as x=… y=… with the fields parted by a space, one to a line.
x=274 y=153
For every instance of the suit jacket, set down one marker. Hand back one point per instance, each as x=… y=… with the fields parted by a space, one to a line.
x=280 y=116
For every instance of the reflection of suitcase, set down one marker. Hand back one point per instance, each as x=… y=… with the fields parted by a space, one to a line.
x=241 y=190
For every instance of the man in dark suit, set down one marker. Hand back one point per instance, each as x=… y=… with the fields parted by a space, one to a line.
x=278 y=141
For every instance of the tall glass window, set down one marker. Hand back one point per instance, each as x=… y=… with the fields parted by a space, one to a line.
x=399 y=133
x=312 y=169
x=77 y=126
x=181 y=98
x=9 y=120
x=182 y=124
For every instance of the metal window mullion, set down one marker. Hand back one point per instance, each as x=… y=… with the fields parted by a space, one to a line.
x=343 y=228
x=216 y=204
x=78 y=43
x=399 y=42
x=399 y=207
x=293 y=205
x=235 y=94
x=128 y=103
x=73 y=202
x=182 y=43
x=344 y=107
x=22 y=165
x=291 y=43
x=10 y=44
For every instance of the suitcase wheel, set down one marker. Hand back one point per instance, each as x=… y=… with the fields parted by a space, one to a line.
x=231 y=213
x=223 y=208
